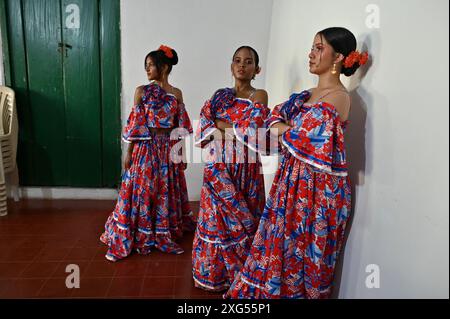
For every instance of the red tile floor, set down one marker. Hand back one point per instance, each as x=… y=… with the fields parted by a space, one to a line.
x=39 y=238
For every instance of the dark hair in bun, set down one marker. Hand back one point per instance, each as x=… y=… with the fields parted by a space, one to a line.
x=342 y=41
x=161 y=57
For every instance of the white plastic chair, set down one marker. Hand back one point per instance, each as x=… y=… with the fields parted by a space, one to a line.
x=9 y=129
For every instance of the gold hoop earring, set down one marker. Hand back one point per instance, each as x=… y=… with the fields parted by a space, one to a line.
x=334 y=71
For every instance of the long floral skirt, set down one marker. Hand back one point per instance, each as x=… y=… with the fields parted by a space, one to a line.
x=232 y=201
x=153 y=208
x=300 y=235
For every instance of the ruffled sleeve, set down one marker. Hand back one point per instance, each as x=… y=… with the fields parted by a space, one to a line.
x=317 y=138
x=288 y=110
x=250 y=128
x=136 y=128
x=184 y=126
x=221 y=100
x=206 y=126
x=284 y=112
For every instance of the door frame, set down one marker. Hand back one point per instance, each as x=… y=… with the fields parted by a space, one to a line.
x=110 y=80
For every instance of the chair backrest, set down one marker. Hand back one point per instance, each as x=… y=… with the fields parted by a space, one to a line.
x=9 y=129
x=7 y=101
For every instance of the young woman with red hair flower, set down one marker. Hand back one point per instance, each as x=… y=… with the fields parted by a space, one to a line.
x=153 y=208
x=301 y=231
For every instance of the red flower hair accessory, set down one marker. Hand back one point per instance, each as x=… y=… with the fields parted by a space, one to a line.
x=167 y=51
x=356 y=57
x=363 y=58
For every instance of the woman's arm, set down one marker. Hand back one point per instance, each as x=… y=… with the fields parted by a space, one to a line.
x=178 y=94
x=261 y=96
x=128 y=155
x=129 y=151
x=222 y=125
x=279 y=129
x=341 y=102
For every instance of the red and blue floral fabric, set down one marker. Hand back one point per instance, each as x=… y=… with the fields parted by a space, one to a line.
x=153 y=208
x=232 y=195
x=301 y=232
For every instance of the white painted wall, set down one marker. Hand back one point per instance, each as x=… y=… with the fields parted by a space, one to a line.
x=205 y=34
x=397 y=140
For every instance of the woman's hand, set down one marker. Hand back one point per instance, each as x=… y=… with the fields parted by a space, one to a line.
x=280 y=142
x=127 y=161
x=279 y=129
x=128 y=156
x=225 y=129
x=222 y=125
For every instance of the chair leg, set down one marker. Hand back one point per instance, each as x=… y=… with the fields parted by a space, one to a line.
x=3 y=202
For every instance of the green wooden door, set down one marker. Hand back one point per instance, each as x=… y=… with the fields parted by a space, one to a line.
x=69 y=123
x=46 y=117
x=82 y=92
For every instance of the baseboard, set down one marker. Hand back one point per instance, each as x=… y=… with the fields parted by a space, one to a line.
x=68 y=193
x=64 y=193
